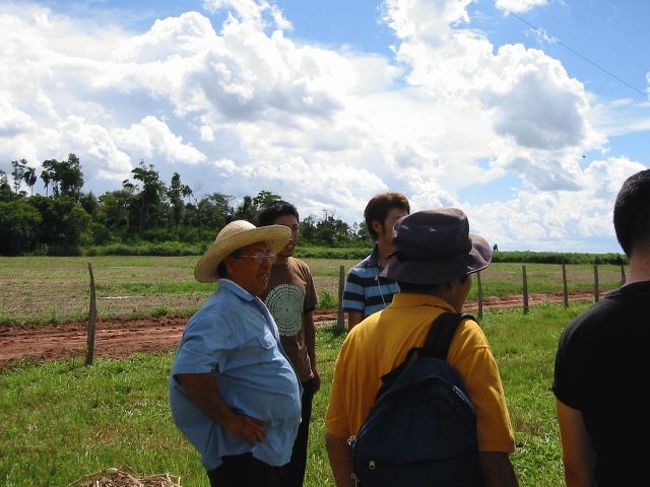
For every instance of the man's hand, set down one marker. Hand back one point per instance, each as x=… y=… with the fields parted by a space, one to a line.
x=202 y=389
x=340 y=455
x=250 y=429
x=316 y=380
x=354 y=317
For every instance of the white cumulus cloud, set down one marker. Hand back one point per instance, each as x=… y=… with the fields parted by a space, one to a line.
x=152 y=137
x=519 y=6
x=238 y=105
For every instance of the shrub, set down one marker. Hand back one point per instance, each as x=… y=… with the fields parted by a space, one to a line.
x=326 y=300
x=19 y=223
x=170 y=248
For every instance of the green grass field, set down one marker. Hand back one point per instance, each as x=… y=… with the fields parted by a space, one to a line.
x=40 y=290
x=63 y=420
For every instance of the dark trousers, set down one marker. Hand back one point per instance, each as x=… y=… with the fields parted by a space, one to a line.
x=293 y=473
x=245 y=470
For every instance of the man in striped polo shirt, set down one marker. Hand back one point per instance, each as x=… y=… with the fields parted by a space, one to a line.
x=366 y=291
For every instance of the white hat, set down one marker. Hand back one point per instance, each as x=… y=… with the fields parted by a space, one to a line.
x=235 y=235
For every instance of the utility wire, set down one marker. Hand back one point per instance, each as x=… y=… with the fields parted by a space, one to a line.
x=573 y=51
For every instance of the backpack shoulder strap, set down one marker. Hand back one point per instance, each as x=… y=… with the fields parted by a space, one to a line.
x=441 y=333
x=436 y=344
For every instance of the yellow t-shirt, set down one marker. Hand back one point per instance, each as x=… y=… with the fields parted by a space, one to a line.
x=381 y=342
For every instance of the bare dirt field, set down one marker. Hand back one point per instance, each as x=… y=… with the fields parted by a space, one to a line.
x=121 y=338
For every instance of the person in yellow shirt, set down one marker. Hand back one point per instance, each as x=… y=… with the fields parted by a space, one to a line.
x=434 y=258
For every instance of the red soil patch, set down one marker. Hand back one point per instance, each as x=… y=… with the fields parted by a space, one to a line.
x=121 y=338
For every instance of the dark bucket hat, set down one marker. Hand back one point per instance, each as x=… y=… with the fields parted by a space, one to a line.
x=435 y=246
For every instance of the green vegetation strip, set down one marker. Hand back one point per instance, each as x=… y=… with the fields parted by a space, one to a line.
x=62 y=420
x=42 y=290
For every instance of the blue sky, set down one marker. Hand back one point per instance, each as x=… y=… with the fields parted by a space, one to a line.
x=453 y=102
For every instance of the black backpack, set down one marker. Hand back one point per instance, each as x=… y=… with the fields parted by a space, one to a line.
x=422 y=427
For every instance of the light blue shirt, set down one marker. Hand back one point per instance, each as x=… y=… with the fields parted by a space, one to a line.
x=234 y=337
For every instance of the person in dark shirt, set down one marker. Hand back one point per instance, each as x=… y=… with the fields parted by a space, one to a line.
x=601 y=364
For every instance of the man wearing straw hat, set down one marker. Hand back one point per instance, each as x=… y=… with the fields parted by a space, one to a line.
x=232 y=391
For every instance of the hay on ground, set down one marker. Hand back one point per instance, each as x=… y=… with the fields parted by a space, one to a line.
x=113 y=477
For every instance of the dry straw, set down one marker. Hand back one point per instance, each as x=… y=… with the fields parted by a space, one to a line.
x=113 y=477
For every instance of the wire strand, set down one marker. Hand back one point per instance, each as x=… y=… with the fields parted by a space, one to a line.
x=573 y=51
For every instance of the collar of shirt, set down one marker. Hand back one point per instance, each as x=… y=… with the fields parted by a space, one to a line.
x=373 y=259
x=282 y=262
x=410 y=300
x=240 y=292
x=236 y=289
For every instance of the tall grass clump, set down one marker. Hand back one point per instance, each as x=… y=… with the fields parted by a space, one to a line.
x=326 y=300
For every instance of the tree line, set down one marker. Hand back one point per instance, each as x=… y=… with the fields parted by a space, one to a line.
x=145 y=209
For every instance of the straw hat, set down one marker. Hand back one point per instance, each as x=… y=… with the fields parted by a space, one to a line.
x=235 y=235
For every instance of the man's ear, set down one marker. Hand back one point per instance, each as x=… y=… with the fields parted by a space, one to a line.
x=228 y=261
x=377 y=227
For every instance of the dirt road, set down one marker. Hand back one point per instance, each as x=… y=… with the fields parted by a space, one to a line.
x=121 y=338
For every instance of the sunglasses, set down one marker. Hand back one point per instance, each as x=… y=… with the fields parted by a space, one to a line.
x=260 y=257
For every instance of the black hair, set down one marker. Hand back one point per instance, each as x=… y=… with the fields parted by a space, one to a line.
x=379 y=207
x=222 y=270
x=432 y=289
x=275 y=210
x=632 y=213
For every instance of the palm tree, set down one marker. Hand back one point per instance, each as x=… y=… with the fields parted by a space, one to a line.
x=17 y=173
x=30 y=178
x=46 y=176
x=186 y=191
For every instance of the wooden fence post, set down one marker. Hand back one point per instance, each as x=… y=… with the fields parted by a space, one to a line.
x=480 y=295
x=525 y=279
x=596 y=287
x=566 y=287
x=340 y=319
x=92 y=315
x=623 y=278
